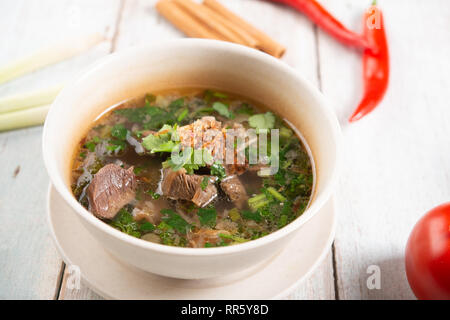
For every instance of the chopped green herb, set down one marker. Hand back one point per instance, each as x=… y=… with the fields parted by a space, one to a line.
x=262 y=121
x=204 y=183
x=119 y=131
x=186 y=159
x=175 y=221
x=283 y=221
x=207 y=216
x=116 y=146
x=124 y=222
x=220 y=95
x=204 y=110
x=285 y=132
x=152 y=118
x=90 y=145
x=176 y=104
x=147 y=227
x=222 y=109
x=183 y=114
x=210 y=94
x=232 y=237
x=161 y=142
x=153 y=194
x=245 y=108
x=250 y=215
x=218 y=170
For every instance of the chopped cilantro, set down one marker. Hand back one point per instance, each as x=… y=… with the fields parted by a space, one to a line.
x=152 y=118
x=176 y=104
x=262 y=121
x=204 y=183
x=250 y=215
x=175 y=221
x=147 y=227
x=218 y=170
x=183 y=114
x=219 y=95
x=161 y=142
x=210 y=94
x=124 y=222
x=245 y=109
x=116 y=146
x=153 y=194
x=207 y=216
x=90 y=145
x=223 y=110
x=119 y=131
x=186 y=159
x=285 y=133
x=138 y=115
x=204 y=110
x=283 y=221
x=158 y=117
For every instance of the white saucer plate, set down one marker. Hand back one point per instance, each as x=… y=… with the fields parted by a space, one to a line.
x=112 y=279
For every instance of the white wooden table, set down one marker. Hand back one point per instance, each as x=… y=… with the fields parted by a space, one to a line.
x=397 y=160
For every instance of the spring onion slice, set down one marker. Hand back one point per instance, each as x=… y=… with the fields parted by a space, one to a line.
x=50 y=55
x=29 y=99
x=23 y=118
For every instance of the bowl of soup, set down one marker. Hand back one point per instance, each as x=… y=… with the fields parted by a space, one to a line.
x=192 y=158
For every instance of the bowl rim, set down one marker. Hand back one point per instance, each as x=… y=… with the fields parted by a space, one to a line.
x=224 y=47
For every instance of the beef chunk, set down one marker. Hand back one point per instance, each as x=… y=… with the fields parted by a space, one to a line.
x=181 y=186
x=235 y=190
x=203 y=197
x=111 y=188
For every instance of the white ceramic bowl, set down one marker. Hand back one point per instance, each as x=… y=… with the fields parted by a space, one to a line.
x=190 y=63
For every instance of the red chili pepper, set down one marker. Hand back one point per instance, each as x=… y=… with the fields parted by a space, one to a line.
x=375 y=64
x=320 y=16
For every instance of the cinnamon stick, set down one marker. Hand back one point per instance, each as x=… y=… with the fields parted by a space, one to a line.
x=265 y=43
x=214 y=21
x=249 y=40
x=185 y=22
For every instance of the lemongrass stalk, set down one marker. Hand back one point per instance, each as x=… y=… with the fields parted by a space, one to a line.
x=55 y=53
x=23 y=118
x=29 y=99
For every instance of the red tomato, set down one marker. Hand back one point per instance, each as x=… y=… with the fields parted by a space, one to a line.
x=427 y=255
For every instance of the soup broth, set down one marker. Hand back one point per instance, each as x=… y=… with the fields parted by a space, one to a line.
x=162 y=168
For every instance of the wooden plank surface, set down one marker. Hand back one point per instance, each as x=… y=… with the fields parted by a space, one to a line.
x=29 y=264
x=396 y=161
